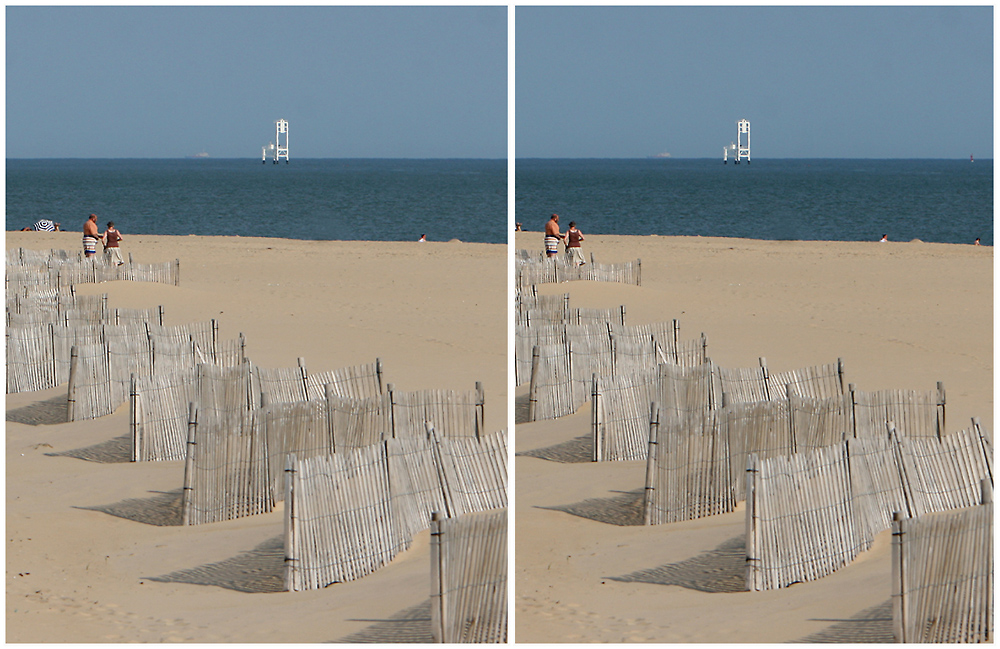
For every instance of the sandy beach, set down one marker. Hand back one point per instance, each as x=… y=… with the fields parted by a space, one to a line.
x=900 y=315
x=435 y=313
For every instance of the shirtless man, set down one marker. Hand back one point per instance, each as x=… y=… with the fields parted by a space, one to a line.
x=552 y=236
x=90 y=236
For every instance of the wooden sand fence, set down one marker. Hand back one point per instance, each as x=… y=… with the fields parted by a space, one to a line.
x=530 y=308
x=459 y=413
x=531 y=270
x=55 y=272
x=348 y=514
x=811 y=513
x=942 y=575
x=919 y=414
x=469 y=578
x=32 y=305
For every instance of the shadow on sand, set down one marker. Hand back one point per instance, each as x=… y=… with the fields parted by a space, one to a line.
x=575 y=451
x=409 y=625
x=261 y=570
x=113 y=451
x=162 y=510
x=871 y=625
x=625 y=509
x=42 y=413
x=722 y=570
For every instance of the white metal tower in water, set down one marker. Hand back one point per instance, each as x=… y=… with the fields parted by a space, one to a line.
x=740 y=150
x=280 y=151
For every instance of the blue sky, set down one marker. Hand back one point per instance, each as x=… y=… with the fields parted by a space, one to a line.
x=840 y=82
x=167 y=82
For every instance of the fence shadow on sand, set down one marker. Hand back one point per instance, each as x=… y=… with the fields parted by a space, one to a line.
x=575 y=451
x=624 y=510
x=409 y=625
x=874 y=624
x=41 y=413
x=163 y=509
x=113 y=451
x=261 y=570
x=722 y=570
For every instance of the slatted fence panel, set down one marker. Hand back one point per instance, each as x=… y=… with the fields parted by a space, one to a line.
x=550 y=394
x=358 y=422
x=800 y=526
x=31 y=363
x=819 y=422
x=620 y=422
x=415 y=482
x=469 y=578
x=945 y=474
x=818 y=382
x=280 y=384
x=159 y=415
x=339 y=520
x=943 y=577
x=473 y=472
x=300 y=427
x=90 y=393
x=456 y=413
x=915 y=413
x=761 y=428
x=226 y=474
x=63 y=340
x=688 y=472
x=876 y=489
x=356 y=382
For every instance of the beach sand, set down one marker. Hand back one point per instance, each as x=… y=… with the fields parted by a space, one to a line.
x=435 y=313
x=900 y=315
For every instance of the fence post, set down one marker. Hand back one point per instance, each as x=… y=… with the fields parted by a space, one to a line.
x=71 y=392
x=133 y=419
x=638 y=274
x=987 y=491
x=840 y=374
x=654 y=433
x=177 y=272
x=392 y=410
x=437 y=581
x=186 y=503
x=622 y=308
x=331 y=433
x=595 y=418
x=898 y=577
x=480 y=411
x=754 y=569
x=941 y=431
x=215 y=340
x=791 y=418
x=378 y=373
x=532 y=387
x=159 y=309
x=291 y=563
x=303 y=375
x=763 y=375
x=675 y=330
x=854 y=408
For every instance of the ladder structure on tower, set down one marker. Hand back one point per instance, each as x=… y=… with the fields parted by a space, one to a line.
x=277 y=149
x=740 y=150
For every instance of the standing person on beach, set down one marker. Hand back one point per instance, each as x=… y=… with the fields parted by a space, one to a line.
x=111 y=239
x=90 y=236
x=552 y=236
x=573 y=249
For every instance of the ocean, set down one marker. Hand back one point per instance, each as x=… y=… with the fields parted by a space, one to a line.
x=945 y=201
x=342 y=199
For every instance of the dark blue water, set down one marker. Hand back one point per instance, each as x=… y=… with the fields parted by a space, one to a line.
x=384 y=200
x=947 y=201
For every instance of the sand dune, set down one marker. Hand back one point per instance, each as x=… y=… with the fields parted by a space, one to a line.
x=94 y=553
x=901 y=315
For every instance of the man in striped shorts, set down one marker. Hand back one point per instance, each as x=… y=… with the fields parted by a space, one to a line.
x=552 y=236
x=90 y=236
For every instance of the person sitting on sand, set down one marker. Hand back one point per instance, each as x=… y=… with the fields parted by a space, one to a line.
x=517 y=227
x=977 y=242
x=552 y=236
x=884 y=239
x=90 y=236
x=111 y=239
x=573 y=249
x=423 y=237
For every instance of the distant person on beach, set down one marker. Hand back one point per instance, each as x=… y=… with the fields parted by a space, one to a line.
x=45 y=225
x=552 y=236
x=423 y=237
x=977 y=242
x=111 y=239
x=884 y=239
x=573 y=249
x=90 y=236
x=517 y=227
